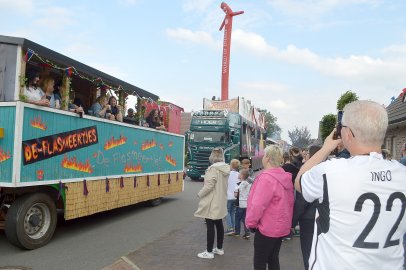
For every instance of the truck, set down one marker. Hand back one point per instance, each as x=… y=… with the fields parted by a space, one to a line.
x=234 y=125
x=58 y=160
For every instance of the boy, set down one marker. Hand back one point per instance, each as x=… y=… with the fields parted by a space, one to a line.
x=241 y=193
x=245 y=164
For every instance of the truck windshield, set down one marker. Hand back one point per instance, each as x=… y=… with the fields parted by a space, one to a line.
x=208 y=137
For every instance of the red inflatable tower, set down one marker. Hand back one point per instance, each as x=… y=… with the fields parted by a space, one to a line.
x=225 y=67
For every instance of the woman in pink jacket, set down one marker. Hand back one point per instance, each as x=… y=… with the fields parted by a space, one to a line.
x=270 y=209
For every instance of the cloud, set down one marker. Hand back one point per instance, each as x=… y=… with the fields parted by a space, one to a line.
x=129 y=2
x=264 y=86
x=314 y=8
x=55 y=18
x=353 y=67
x=117 y=72
x=21 y=6
x=279 y=104
x=356 y=67
x=196 y=5
x=198 y=37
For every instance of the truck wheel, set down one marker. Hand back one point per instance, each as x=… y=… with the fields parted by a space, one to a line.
x=31 y=221
x=155 y=202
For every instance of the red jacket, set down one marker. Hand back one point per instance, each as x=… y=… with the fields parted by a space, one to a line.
x=270 y=203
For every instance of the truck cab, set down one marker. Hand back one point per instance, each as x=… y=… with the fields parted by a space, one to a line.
x=210 y=129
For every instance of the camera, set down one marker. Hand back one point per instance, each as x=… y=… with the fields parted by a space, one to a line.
x=337 y=134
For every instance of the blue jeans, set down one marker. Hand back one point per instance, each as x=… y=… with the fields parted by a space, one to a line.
x=230 y=214
x=240 y=217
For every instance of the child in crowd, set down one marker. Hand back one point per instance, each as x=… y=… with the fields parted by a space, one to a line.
x=241 y=193
x=245 y=164
x=232 y=183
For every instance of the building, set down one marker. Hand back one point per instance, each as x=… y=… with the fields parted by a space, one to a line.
x=396 y=135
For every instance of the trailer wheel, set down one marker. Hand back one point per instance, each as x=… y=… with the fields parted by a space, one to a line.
x=155 y=202
x=31 y=221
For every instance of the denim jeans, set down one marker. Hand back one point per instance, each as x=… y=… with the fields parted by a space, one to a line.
x=240 y=217
x=230 y=214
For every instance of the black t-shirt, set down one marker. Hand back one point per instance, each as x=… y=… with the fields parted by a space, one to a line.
x=289 y=167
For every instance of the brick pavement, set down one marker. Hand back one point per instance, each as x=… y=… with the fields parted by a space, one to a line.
x=178 y=250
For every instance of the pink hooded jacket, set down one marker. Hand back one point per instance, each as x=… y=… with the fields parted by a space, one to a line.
x=270 y=203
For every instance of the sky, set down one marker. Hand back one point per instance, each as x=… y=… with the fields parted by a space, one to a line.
x=294 y=58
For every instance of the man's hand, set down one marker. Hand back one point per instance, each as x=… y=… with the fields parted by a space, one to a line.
x=329 y=143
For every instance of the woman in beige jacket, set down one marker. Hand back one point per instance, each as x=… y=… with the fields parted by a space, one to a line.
x=213 y=202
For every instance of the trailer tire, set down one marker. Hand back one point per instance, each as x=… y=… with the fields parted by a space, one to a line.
x=31 y=221
x=155 y=202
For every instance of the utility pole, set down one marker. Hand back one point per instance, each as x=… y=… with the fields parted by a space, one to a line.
x=225 y=65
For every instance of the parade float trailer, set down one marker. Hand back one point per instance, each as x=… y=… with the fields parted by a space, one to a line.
x=55 y=159
x=234 y=125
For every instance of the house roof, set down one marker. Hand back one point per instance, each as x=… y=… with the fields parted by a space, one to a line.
x=80 y=67
x=396 y=111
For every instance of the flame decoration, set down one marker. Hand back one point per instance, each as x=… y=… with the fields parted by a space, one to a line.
x=170 y=160
x=114 y=143
x=161 y=146
x=37 y=123
x=73 y=164
x=4 y=156
x=148 y=145
x=170 y=144
x=133 y=168
x=40 y=174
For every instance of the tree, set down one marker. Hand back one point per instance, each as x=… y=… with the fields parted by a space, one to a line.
x=273 y=130
x=327 y=124
x=346 y=98
x=300 y=137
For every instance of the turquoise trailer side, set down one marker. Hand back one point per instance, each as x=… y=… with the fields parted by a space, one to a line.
x=55 y=145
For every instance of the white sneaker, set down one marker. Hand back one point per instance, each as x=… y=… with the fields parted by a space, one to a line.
x=218 y=251
x=206 y=255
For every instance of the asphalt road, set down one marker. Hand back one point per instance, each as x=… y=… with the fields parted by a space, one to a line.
x=97 y=241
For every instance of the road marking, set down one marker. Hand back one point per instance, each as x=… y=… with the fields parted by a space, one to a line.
x=130 y=263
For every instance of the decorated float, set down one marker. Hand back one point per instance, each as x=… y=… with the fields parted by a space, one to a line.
x=57 y=159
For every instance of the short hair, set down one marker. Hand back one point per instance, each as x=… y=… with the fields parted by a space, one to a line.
x=217 y=155
x=130 y=110
x=275 y=155
x=294 y=151
x=244 y=173
x=235 y=164
x=368 y=121
x=245 y=161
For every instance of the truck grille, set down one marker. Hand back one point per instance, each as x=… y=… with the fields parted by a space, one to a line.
x=202 y=160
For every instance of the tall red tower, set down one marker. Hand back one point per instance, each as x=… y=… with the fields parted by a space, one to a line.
x=225 y=64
